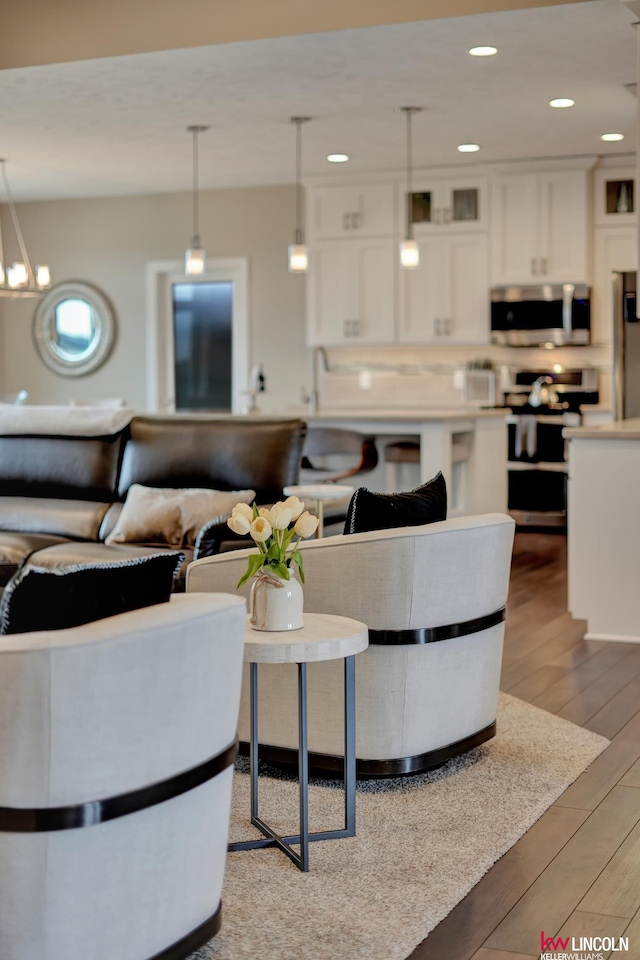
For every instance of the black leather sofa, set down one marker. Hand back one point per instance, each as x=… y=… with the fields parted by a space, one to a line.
x=60 y=496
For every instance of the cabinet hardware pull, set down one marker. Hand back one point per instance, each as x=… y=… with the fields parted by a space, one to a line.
x=436 y=326
x=355 y=221
x=534 y=266
x=447 y=326
x=543 y=265
x=437 y=214
x=345 y=221
x=447 y=214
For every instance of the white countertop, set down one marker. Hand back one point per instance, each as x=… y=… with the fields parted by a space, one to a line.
x=412 y=415
x=618 y=430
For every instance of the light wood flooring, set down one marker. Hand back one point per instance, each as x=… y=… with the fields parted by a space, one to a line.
x=577 y=870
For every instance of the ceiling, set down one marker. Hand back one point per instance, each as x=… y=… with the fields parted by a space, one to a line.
x=116 y=126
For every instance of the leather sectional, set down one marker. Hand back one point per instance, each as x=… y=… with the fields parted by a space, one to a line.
x=60 y=496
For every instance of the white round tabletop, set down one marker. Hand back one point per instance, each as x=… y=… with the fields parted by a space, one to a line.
x=319 y=491
x=323 y=637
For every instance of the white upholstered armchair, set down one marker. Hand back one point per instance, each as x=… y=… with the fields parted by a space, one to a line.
x=433 y=598
x=117 y=743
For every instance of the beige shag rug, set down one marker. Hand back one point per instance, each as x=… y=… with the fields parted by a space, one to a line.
x=422 y=843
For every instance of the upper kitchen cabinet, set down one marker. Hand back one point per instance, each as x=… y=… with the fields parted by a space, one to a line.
x=351 y=212
x=447 y=206
x=540 y=228
x=615 y=199
x=351 y=292
x=445 y=300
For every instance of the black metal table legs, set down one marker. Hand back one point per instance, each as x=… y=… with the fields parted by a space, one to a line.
x=303 y=838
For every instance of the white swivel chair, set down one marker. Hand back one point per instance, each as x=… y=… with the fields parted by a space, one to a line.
x=117 y=743
x=433 y=598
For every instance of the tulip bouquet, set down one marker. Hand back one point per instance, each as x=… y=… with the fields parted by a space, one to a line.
x=276 y=531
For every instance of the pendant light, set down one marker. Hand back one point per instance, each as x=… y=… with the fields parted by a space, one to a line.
x=19 y=279
x=298 y=253
x=195 y=256
x=409 y=250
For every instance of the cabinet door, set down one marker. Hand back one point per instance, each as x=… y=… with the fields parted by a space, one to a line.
x=375 y=291
x=564 y=248
x=367 y=211
x=331 y=307
x=515 y=229
x=422 y=295
x=351 y=292
x=615 y=197
x=466 y=275
x=464 y=204
x=616 y=248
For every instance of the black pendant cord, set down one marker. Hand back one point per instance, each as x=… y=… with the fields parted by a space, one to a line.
x=196 y=222
x=298 y=182
x=47 y=819
x=409 y=226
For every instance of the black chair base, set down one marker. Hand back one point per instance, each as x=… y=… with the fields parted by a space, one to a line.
x=327 y=765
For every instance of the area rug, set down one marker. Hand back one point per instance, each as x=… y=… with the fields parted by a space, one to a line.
x=422 y=843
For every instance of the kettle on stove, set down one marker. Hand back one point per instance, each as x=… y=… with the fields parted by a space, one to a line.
x=542 y=394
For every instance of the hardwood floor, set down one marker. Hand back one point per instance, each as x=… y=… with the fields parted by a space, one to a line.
x=577 y=871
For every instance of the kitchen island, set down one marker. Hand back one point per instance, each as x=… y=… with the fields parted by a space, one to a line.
x=604 y=529
x=467 y=444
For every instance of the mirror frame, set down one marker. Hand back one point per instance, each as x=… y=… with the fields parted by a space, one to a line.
x=44 y=319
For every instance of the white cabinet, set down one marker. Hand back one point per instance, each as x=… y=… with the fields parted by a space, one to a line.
x=616 y=249
x=446 y=299
x=614 y=196
x=336 y=212
x=351 y=292
x=450 y=206
x=540 y=228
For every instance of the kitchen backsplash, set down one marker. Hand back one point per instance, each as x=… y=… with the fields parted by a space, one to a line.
x=418 y=377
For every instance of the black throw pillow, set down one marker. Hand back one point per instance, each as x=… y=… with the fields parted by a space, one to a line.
x=384 y=511
x=54 y=598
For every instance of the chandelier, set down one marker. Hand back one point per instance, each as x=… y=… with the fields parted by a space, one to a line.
x=19 y=279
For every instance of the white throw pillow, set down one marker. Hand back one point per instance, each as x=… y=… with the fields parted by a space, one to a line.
x=173 y=516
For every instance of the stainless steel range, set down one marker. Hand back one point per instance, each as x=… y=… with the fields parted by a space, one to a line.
x=542 y=402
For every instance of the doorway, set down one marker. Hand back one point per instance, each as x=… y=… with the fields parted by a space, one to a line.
x=197 y=338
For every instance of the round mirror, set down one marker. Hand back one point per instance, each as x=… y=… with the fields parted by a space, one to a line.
x=74 y=328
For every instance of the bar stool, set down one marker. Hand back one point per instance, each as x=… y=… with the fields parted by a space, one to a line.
x=395 y=455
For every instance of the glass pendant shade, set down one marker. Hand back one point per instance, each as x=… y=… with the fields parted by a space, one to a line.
x=409 y=254
x=43 y=275
x=17 y=275
x=409 y=249
x=195 y=258
x=298 y=251
x=194 y=262
x=298 y=258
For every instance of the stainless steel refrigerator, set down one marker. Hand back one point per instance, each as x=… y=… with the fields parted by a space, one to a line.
x=626 y=347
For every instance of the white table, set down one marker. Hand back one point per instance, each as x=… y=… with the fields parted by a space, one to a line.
x=319 y=492
x=323 y=637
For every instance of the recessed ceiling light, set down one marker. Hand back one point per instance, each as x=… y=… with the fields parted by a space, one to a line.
x=561 y=102
x=468 y=147
x=612 y=137
x=483 y=51
x=338 y=157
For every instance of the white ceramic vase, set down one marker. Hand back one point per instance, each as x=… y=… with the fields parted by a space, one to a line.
x=275 y=604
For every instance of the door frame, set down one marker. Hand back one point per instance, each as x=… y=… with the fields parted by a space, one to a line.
x=159 y=364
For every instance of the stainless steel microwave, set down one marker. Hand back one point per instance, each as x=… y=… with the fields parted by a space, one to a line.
x=546 y=314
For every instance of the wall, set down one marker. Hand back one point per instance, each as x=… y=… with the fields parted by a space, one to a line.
x=108 y=242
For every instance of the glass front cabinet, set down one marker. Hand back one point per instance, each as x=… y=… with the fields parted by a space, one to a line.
x=615 y=196
x=447 y=205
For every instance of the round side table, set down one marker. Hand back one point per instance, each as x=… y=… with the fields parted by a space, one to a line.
x=323 y=637
x=319 y=492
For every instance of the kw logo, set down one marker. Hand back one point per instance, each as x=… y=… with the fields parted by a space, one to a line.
x=551 y=945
